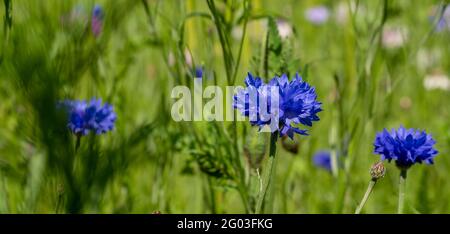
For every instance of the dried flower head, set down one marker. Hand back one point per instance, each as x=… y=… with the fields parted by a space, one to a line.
x=377 y=170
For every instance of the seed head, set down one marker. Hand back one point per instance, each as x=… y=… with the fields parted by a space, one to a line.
x=377 y=171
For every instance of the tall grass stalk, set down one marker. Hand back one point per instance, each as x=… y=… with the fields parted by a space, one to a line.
x=268 y=173
x=7 y=23
x=231 y=68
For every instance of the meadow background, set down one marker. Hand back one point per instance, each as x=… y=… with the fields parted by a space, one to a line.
x=375 y=64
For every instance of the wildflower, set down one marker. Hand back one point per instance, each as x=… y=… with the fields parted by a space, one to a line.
x=297 y=104
x=285 y=103
x=198 y=72
x=89 y=116
x=97 y=20
x=317 y=15
x=406 y=146
x=377 y=171
x=284 y=29
x=444 y=21
x=322 y=159
x=436 y=81
x=428 y=58
x=394 y=37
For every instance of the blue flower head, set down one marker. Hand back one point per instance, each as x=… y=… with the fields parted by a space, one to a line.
x=97 y=11
x=84 y=117
x=198 y=72
x=405 y=146
x=322 y=159
x=97 y=20
x=296 y=104
x=444 y=21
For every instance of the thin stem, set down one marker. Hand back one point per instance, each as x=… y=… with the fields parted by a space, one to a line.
x=334 y=160
x=401 y=191
x=285 y=186
x=5 y=193
x=266 y=57
x=212 y=195
x=148 y=13
x=244 y=197
x=260 y=180
x=366 y=195
x=223 y=41
x=7 y=23
x=77 y=144
x=231 y=69
x=58 y=203
x=246 y=13
x=268 y=171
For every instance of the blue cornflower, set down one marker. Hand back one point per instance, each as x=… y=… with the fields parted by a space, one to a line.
x=405 y=146
x=323 y=159
x=198 y=72
x=444 y=20
x=97 y=20
x=84 y=117
x=296 y=104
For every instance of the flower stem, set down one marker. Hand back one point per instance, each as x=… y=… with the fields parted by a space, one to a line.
x=366 y=195
x=267 y=178
x=77 y=144
x=58 y=204
x=401 y=191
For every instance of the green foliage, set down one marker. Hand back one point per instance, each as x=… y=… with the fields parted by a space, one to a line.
x=150 y=162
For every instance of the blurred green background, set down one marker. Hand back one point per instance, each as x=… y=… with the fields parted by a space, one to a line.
x=375 y=65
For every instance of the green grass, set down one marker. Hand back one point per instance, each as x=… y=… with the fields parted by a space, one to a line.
x=149 y=162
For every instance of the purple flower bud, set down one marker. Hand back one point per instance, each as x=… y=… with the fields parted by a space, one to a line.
x=97 y=20
x=317 y=15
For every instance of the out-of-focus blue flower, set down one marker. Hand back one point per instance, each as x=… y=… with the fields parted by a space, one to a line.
x=322 y=159
x=444 y=20
x=198 y=72
x=84 y=117
x=405 y=146
x=441 y=25
x=297 y=104
x=317 y=15
x=97 y=20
